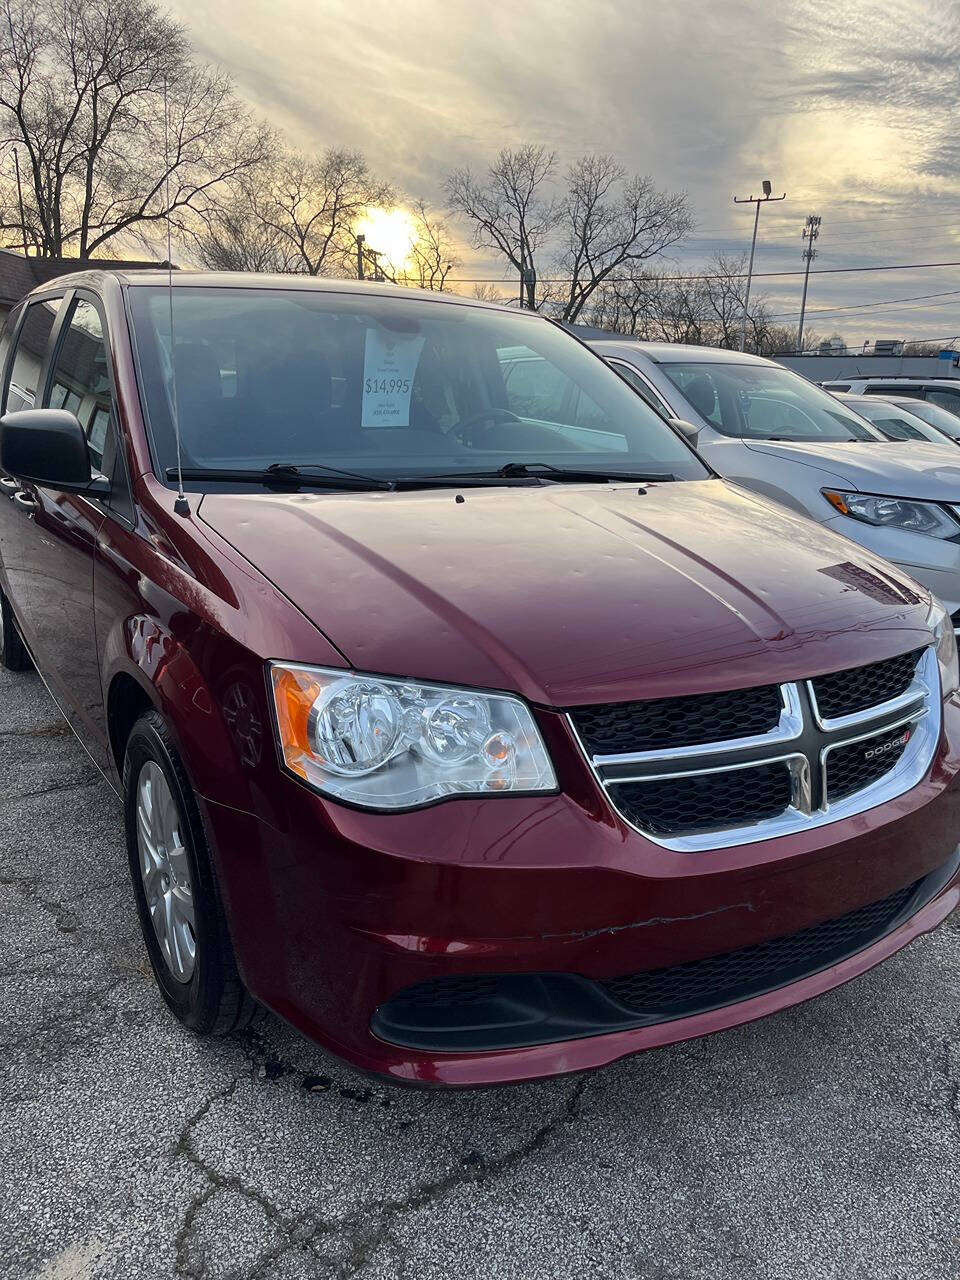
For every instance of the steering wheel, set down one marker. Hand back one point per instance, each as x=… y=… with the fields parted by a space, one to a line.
x=467 y=431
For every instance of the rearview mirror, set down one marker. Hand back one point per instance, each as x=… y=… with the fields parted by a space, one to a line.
x=45 y=447
x=686 y=429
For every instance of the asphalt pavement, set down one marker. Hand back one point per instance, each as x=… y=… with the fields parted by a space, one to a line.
x=822 y=1142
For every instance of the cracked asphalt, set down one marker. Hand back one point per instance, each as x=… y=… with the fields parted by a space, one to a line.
x=823 y=1142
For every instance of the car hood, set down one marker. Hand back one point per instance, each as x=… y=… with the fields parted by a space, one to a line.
x=895 y=469
x=574 y=594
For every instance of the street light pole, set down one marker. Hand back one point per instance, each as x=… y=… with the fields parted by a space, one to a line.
x=758 y=201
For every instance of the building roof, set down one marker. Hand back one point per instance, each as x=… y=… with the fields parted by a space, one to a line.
x=18 y=275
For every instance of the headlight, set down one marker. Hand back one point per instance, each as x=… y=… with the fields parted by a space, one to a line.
x=395 y=744
x=941 y=624
x=895 y=513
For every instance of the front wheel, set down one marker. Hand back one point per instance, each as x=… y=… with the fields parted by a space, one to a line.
x=181 y=915
x=13 y=652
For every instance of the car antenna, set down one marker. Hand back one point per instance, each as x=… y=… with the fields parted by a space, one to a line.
x=180 y=506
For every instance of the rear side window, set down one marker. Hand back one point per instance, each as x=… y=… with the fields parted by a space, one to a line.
x=945 y=397
x=32 y=343
x=81 y=380
x=914 y=391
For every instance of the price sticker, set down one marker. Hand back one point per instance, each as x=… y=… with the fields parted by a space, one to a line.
x=389 y=367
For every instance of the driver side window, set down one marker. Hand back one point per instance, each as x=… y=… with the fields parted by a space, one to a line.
x=81 y=379
x=81 y=385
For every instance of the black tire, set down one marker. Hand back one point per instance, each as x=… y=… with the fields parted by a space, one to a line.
x=214 y=1001
x=13 y=652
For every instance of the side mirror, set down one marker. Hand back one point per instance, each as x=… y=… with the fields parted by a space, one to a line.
x=686 y=429
x=45 y=447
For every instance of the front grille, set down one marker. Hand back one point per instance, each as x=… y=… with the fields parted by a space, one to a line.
x=707 y=771
x=853 y=767
x=737 y=975
x=705 y=802
x=844 y=692
x=693 y=720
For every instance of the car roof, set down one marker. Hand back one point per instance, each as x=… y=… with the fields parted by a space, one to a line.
x=180 y=279
x=920 y=378
x=675 y=352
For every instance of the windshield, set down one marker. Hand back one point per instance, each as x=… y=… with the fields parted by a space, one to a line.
x=386 y=387
x=937 y=416
x=764 y=402
x=895 y=422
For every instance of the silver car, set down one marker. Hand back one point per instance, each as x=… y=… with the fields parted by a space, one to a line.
x=775 y=433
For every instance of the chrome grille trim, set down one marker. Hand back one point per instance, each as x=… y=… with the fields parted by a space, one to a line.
x=801 y=725
x=915 y=693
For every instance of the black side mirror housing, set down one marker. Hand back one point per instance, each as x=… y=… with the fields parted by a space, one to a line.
x=686 y=429
x=45 y=447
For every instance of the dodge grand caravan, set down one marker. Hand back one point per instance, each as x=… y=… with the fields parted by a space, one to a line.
x=480 y=738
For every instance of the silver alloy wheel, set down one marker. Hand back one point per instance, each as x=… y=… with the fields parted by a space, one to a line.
x=166 y=871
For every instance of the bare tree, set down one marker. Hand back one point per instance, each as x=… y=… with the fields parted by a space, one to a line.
x=608 y=221
x=923 y=348
x=703 y=307
x=313 y=204
x=508 y=209
x=82 y=88
x=236 y=236
x=432 y=253
x=486 y=292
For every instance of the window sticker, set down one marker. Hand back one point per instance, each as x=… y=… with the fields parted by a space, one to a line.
x=389 y=366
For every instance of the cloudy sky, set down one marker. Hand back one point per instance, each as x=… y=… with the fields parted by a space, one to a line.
x=851 y=108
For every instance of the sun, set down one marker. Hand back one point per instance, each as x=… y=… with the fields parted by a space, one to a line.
x=389 y=233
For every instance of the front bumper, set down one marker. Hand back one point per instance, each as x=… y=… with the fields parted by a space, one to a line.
x=334 y=912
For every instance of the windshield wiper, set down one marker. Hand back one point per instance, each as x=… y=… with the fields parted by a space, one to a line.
x=285 y=475
x=547 y=471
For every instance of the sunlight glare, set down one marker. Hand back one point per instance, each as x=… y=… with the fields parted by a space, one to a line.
x=390 y=233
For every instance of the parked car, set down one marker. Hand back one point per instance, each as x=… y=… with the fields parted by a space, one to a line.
x=773 y=432
x=944 y=392
x=933 y=414
x=897 y=422
x=481 y=740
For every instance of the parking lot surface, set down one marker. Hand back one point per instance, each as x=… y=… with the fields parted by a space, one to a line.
x=823 y=1142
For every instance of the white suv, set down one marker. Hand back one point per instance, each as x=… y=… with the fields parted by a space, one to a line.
x=773 y=432
x=942 y=391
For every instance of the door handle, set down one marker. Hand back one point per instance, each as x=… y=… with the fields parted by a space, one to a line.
x=23 y=499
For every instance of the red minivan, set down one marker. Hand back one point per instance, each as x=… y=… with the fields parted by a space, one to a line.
x=461 y=715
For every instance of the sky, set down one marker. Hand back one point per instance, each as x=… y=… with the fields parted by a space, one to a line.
x=850 y=108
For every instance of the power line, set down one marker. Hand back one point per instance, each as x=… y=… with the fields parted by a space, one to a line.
x=736 y=275
x=864 y=306
x=855 y=224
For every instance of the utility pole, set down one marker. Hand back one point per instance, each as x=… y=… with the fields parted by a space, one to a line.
x=758 y=201
x=360 y=239
x=810 y=232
